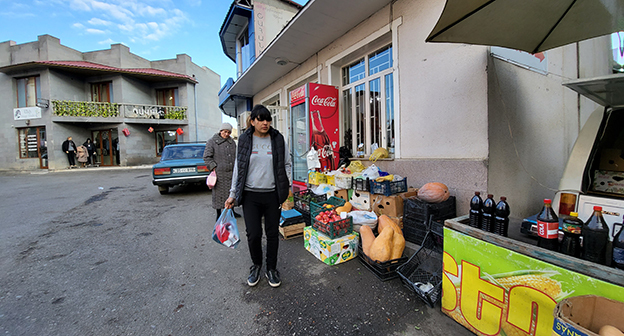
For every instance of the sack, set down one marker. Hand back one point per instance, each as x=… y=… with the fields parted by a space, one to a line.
x=312 y=159
x=225 y=231
x=372 y=172
x=211 y=180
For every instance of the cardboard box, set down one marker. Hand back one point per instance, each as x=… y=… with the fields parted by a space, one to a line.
x=361 y=200
x=609 y=181
x=612 y=159
x=585 y=315
x=388 y=205
x=342 y=193
x=330 y=251
x=411 y=192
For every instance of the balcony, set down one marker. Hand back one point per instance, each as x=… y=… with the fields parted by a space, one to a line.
x=115 y=111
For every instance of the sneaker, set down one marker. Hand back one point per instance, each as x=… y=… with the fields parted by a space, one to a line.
x=254 y=275
x=274 y=278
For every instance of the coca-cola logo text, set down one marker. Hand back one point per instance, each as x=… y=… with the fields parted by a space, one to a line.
x=327 y=101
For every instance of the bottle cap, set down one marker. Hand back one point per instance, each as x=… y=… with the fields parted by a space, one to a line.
x=597 y=208
x=547 y=201
x=574 y=214
x=503 y=198
x=477 y=193
x=490 y=196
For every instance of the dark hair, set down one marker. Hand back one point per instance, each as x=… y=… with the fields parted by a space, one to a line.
x=260 y=113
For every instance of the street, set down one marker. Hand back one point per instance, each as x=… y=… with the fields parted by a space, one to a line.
x=101 y=252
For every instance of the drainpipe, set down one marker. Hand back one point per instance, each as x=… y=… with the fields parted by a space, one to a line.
x=195 y=106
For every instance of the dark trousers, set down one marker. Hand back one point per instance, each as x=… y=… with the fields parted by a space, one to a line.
x=71 y=157
x=255 y=206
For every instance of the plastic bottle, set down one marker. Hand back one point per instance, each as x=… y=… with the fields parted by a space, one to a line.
x=476 y=203
x=595 y=235
x=501 y=218
x=571 y=243
x=548 y=227
x=618 y=247
x=487 y=218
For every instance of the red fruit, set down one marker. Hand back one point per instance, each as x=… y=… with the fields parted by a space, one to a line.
x=318 y=217
x=222 y=232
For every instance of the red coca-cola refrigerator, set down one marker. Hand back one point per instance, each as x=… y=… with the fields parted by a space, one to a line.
x=315 y=123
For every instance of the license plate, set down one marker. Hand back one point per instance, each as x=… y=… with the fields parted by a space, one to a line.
x=184 y=170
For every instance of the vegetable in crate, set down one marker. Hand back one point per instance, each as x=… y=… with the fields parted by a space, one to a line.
x=398 y=241
x=434 y=192
x=381 y=249
x=390 y=243
x=345 y=208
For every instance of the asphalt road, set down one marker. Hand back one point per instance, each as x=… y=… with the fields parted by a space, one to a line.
x=101 y=252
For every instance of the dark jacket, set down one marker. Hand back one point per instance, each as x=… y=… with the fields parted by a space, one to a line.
x=65 y=145
x=278 y=148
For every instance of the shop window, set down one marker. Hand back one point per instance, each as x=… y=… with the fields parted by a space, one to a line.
x=31 y=142
x=368 y=103
x=164 y=138
x=167 y=97
x=101 y=92
x=28 y=91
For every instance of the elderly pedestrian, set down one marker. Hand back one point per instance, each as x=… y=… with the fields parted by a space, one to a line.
x=220 y=154
x=69 y=147
x=261 y=183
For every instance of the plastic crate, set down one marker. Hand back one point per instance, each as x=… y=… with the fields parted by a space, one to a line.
x=306 y=217
x=414 y=231
x=384 y=271
x=303 y=198
x=316 y=178
x=417 y=210
x=316 y=207
x=361 y=184
x=425 y=267
x=343 y=182
x=334 y=229
x=388 y=188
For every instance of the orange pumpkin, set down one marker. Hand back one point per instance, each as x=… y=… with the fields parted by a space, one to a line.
x=434 y=192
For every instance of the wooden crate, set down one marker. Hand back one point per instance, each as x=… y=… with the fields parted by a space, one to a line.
x=292 y=231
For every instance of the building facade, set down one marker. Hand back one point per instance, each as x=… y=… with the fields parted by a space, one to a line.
x=472 y=117
x=130 y=107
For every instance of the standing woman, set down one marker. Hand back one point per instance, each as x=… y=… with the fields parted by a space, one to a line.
x=91 y=151
x=220 y=154
x=261 y=183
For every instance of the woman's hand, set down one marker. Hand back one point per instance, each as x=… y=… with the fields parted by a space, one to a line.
x=229 y=203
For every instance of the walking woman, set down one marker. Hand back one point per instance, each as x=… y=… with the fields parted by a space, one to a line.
x=260 y=184
x=220 y=154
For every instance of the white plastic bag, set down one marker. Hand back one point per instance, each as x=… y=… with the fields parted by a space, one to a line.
x=211 y=180
x=372 y=172
x=313 y=159
x=363 y=217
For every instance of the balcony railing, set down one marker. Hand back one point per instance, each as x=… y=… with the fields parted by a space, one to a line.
x=66 y=108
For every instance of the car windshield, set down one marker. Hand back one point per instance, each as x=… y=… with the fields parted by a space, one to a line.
x=182 y=152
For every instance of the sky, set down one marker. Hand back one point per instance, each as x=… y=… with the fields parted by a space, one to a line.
x=152 y=29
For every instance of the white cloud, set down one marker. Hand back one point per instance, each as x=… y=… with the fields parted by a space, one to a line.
x=108 y=41
x=78 y=25
x=95 y=31
x=99 y=22
x=81 y=5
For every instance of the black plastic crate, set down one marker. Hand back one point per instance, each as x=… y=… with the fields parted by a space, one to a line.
x=384 y=271
x=414 y=231
x=417 y=210
x=361 y=184
x=388 y=188
x=422 y=273
x=303 y=198
x=306 y=217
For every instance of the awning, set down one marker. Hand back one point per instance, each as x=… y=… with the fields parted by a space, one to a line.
x=229 y=103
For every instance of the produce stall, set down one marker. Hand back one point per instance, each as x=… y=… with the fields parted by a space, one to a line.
x=494 y=285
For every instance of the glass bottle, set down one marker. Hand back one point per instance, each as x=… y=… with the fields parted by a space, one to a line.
x=501 y=218
x=476 y=203
x=487 y=218
x=571 y=243
x=321 y=142
x=595 y=235
x=548 y=227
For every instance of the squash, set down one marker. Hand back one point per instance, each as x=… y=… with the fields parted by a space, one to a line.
x=434 y=192
x=381 y=249
x=367 y=235
x=608 y=330
x=398 y=241
x=345 y=208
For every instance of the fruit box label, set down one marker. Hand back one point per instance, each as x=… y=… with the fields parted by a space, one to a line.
x=330 y=251
x=495 y=291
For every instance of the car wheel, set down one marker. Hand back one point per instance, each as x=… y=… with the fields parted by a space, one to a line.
x=163 y=190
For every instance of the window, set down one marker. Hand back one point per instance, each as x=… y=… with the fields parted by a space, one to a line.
x=164 y=138
x=368 y=103
x=28 y=91
x=31 y=141
x=167 y=97
x=101 y=92
x=244 y=49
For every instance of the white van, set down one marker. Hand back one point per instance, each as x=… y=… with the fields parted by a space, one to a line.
x=594 y=174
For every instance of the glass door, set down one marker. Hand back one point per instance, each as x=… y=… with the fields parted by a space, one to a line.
x=106 y=151
x=300 y=142
x=43 y=148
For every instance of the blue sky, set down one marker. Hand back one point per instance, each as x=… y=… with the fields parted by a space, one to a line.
x=153 y=29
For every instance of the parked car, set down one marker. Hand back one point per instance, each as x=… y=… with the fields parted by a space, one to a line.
x=594 y=174
x=180 y=164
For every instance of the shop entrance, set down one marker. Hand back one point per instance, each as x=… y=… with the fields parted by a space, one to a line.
x=32 y=142
x=106 y=147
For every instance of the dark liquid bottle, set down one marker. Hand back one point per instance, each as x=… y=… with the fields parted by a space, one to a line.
x=548 y=227
x=595 y=235
x=618 y=247
x=475 y=210
x=501 y=218
x=571 y=243
x=487 y=218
